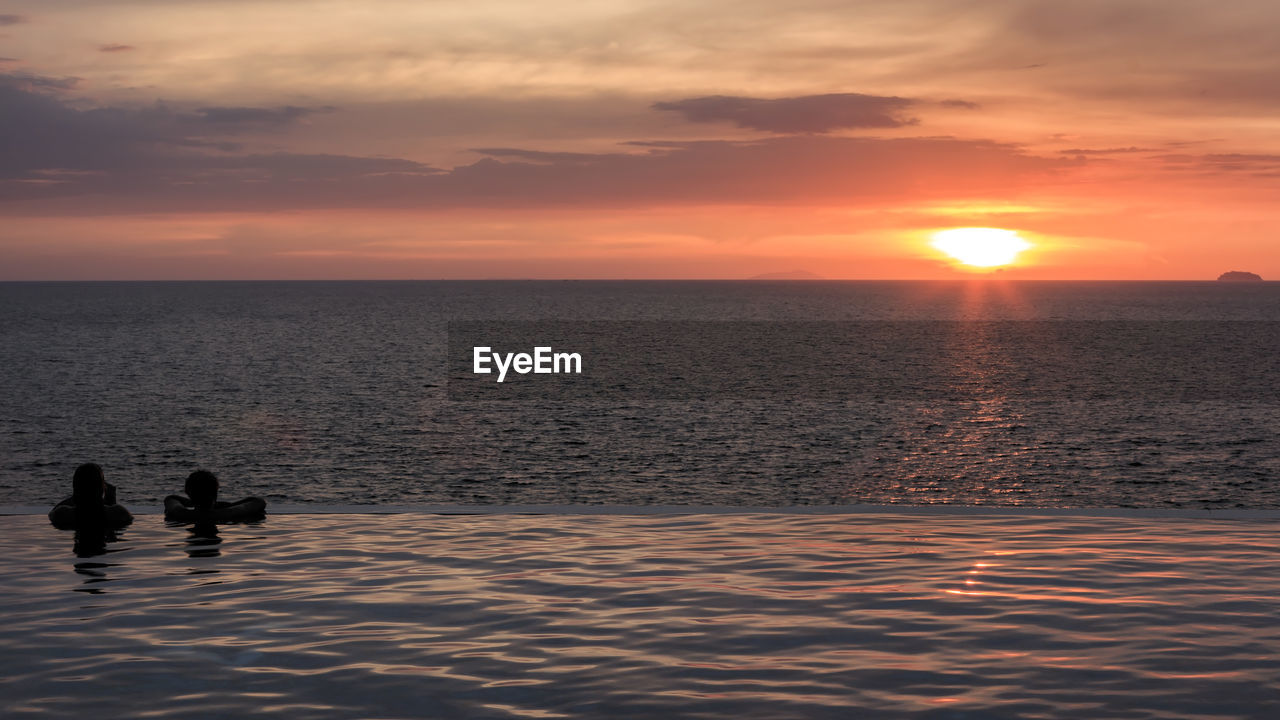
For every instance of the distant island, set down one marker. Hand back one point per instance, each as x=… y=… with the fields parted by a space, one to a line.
x=789 y=275
x=1239 y=276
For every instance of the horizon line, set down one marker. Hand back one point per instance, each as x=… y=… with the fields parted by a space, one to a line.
x=976 y=277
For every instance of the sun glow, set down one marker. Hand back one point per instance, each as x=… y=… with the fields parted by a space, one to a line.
x=980 y=247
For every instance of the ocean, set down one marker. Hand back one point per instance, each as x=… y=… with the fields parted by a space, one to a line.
x=337 y=394
x=935 y=501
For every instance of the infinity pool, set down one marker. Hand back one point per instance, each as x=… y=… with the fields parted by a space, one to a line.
x=407 y=615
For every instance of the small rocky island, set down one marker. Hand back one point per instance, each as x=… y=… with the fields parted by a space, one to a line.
x=1239 y=276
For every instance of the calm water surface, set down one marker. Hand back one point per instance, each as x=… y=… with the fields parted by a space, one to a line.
x=335 y=393
x=706 y=616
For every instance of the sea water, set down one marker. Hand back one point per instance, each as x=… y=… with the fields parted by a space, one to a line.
x=1161 y=394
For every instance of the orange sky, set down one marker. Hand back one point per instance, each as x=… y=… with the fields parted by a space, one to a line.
x=629 y=139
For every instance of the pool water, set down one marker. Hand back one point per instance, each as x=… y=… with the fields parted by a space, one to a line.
x=728 y=615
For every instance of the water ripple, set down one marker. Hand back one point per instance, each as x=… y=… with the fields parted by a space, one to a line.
x=707 y=616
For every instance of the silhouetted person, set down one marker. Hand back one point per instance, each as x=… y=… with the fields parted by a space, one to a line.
x=201 y=504
x=92 y=505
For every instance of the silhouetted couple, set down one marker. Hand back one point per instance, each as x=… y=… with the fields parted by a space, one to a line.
x=93 y=503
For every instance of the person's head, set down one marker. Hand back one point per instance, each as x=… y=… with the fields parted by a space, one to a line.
x=88 y=484
x=202 y=488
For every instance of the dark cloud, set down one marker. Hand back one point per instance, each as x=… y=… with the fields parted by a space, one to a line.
x=794 y=115
x=1256 y=164
x=255 y=115
x=962 y=104
x=41 y=130
x=11 y=20
x=52 y=148
x=776 y=171
x=115 y=48
x=32 y=83
x=121 y=160
x=318 y=166
x=1106 y=151
x=537 y=157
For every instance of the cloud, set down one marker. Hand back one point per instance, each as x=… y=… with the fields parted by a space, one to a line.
x=41 y=130
x=31 y=83
x=232 y=116
x=53 y=148
x=11 y=20
x=113 y=48
x=1128 y=150
x=793 y=115
x=563 y=159
x=779 y=170
x=1257 y=164
x=797 y=170
x=155 y=159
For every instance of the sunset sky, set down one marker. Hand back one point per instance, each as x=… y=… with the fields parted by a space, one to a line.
x=181 y=139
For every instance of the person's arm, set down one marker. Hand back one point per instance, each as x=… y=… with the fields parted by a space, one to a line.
x=63 y=515
x=250 y=508
x=119 y=516
x=109 y=495
x=175 y=505
x=254 y=506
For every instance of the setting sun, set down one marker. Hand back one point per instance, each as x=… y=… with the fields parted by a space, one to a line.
x=980 y=247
